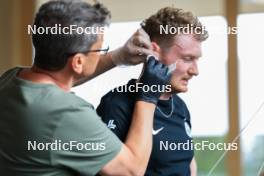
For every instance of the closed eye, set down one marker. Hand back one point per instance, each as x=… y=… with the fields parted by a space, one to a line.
x=188 y=59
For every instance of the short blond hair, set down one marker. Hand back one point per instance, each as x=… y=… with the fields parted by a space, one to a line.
x=173 y=17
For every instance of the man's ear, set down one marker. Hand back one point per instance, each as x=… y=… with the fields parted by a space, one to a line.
x=156 y=49
x=77 y=63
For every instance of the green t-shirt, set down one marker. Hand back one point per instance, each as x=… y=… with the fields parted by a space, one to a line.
x=45 y=131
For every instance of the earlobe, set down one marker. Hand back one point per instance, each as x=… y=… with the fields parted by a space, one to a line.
x=77 y=63
x=156 y=49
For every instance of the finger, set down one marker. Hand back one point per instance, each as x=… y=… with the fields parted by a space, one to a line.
x=143 y=33
x=167 y=72
x=172 y=67
x=163 y=66
x=144 y=42
x=143 y=51
x=141 y=41
x=151 y=61
x=140 y=51
x=159 y=65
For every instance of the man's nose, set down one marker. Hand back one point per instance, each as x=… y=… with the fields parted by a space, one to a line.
x=194 y=69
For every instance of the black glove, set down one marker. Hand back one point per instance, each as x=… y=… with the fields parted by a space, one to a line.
x=155 y=73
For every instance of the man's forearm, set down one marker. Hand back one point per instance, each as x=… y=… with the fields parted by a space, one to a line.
x=105 y=63
x=133 y=52
x=139 y=138
x=193 y=167
x=133 y=158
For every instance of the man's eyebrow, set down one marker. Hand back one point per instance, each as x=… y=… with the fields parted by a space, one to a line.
x=176 y=44
x=188 y=54
x=194 y=56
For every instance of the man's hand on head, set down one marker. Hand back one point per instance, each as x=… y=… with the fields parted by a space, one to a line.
x=134 y=51
x=154 y=74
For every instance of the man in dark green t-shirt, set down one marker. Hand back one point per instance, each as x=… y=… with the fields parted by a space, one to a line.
x=45 y=129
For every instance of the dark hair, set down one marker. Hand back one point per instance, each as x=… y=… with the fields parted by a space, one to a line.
x=53 y=50
x=173 y=17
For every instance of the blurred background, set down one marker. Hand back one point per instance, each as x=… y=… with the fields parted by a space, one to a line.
x=226 y=100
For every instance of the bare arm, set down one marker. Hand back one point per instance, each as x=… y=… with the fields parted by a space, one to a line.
x=135 y=153
x=132 y=53
x=193 y=167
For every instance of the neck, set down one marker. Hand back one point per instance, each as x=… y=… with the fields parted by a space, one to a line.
x=61 y=78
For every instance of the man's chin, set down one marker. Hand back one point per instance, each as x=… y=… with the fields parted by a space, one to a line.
x=179 y=90
x=185 y=90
